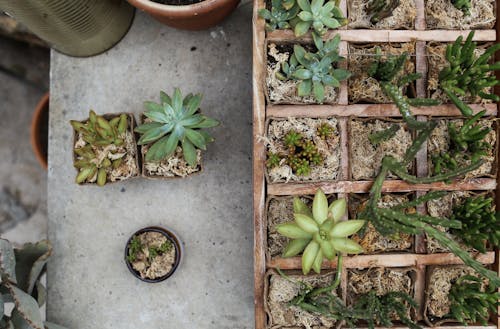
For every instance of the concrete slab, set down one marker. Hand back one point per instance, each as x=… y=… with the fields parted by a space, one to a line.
x=89 y=285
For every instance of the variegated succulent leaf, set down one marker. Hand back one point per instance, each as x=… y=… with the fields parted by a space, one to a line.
x=175 y=121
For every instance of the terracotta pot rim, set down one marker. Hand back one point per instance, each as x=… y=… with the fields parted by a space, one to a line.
x=43 y=104
x=159 y=8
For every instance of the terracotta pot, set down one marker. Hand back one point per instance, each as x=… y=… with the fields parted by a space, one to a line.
x=40 y=130
x=170 y=236
x=198 y=16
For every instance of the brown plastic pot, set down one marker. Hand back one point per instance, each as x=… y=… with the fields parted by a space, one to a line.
x=40 y=130
x=198 y=16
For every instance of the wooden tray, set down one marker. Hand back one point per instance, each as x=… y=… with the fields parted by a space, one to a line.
x=343 y=111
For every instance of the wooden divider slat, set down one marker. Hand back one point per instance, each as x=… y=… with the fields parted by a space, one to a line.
x=383 y=260
x=368 y=110
x=476 y=184
x=385 y=35
x=420 y=19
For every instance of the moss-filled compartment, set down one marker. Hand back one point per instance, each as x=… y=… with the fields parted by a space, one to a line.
x=436 y=61
x=279 y=291
x=371 y=241
x=439 y=280
x=439 y=143
x=285 y=92
x=328 y=148
x=362 y=87
x=403 y=16
x=280 y=210
x=442 y=14
x=365 y=157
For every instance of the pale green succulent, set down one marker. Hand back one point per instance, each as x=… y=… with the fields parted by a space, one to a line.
x=316 y=72
x=319 y=233
x=319 y=16
x=176 y=120
x=280 y=14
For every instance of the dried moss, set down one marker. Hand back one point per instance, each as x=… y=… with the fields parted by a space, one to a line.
x=436 y=60
x=438 y=286
x=362 y=87
x=403 y=17
x=285 y=92
x=439 y=141
x=174 y=166
x=281 y=291
x=329 y=148
x=372 y=242
x=441 y=14
x=366 y=159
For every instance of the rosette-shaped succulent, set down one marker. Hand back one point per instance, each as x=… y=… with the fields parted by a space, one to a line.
x=319 y=232
x=319 y=15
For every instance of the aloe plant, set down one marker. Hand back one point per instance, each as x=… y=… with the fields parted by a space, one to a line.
x=380 y=9
x=319 y=232
x=468 y=75
x=20 y=270
x=176 y=120
x=463 y=5
x=99 y=134
x=319 y=16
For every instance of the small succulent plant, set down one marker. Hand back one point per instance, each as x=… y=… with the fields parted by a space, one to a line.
x=20 y=270
x=319 y=15
x=319 y=232
x=463 y=5
x=480 y=223
x=380 y=9
x=280 y=14
x=273 y=160
x=99 y=134
x=325 y=131
x=386 y=70
x=465 y=143
x=175 y=120
x=470 y=303
x=292 y=139
x=468 y=75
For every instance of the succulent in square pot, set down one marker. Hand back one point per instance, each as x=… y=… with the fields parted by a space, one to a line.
x=187 y=14
x=173 y=136
x=104 y=148
x=153 y=254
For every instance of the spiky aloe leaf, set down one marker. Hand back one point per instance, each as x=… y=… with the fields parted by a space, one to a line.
x=30 y=262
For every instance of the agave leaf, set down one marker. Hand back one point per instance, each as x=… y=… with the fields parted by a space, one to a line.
x=320 y=207
x=346 y=228
x=192 y=120
x=295 y=247
x=30 y=262
x=318 y=261
x=193 y=105
x=7 y=261
x=196 y=138
x=189 y=152
x=162 y=149
x=147 y=126
x=26 y=309
x=177 y=100
x=206 y=123
x=293 y=231
x=154 y=134
x=165 y=99
x=153 y=107
x=309 y=255
x=207 y=136
x=186 y=99
x=158 y=116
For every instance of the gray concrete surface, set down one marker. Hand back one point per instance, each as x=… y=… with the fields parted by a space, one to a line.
x=89 y=285
x=24 y=78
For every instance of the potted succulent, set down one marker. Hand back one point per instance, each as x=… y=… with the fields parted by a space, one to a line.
x=187 y=14
x=152 y=254
x=173 y=135
x=21 y=270
x=104 y=148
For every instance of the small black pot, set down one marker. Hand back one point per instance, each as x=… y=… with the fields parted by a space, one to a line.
x=169 y=235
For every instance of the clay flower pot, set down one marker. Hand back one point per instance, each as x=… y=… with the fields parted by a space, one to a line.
x=198 y=16
x=172 y=239
x=40 y=130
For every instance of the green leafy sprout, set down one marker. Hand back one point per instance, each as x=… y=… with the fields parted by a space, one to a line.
x=176 y=120
x=380 y=9
x=468 y=75
x=470 y=303
x=134 y=248
x=98 y=133
x=463 y=5
x=319 y=233
x=325 y=131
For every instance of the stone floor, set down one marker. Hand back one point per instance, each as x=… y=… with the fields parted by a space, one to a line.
x=24 y=78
